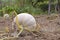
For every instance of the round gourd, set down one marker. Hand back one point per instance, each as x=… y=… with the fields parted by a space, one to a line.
x=26 y=20
x=6 y=16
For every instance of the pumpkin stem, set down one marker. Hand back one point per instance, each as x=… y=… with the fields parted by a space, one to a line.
x=19 y=26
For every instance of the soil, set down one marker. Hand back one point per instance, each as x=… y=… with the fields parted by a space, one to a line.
x=49 y=28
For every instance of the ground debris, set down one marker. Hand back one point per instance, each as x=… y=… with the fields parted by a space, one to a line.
x=49 y=29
